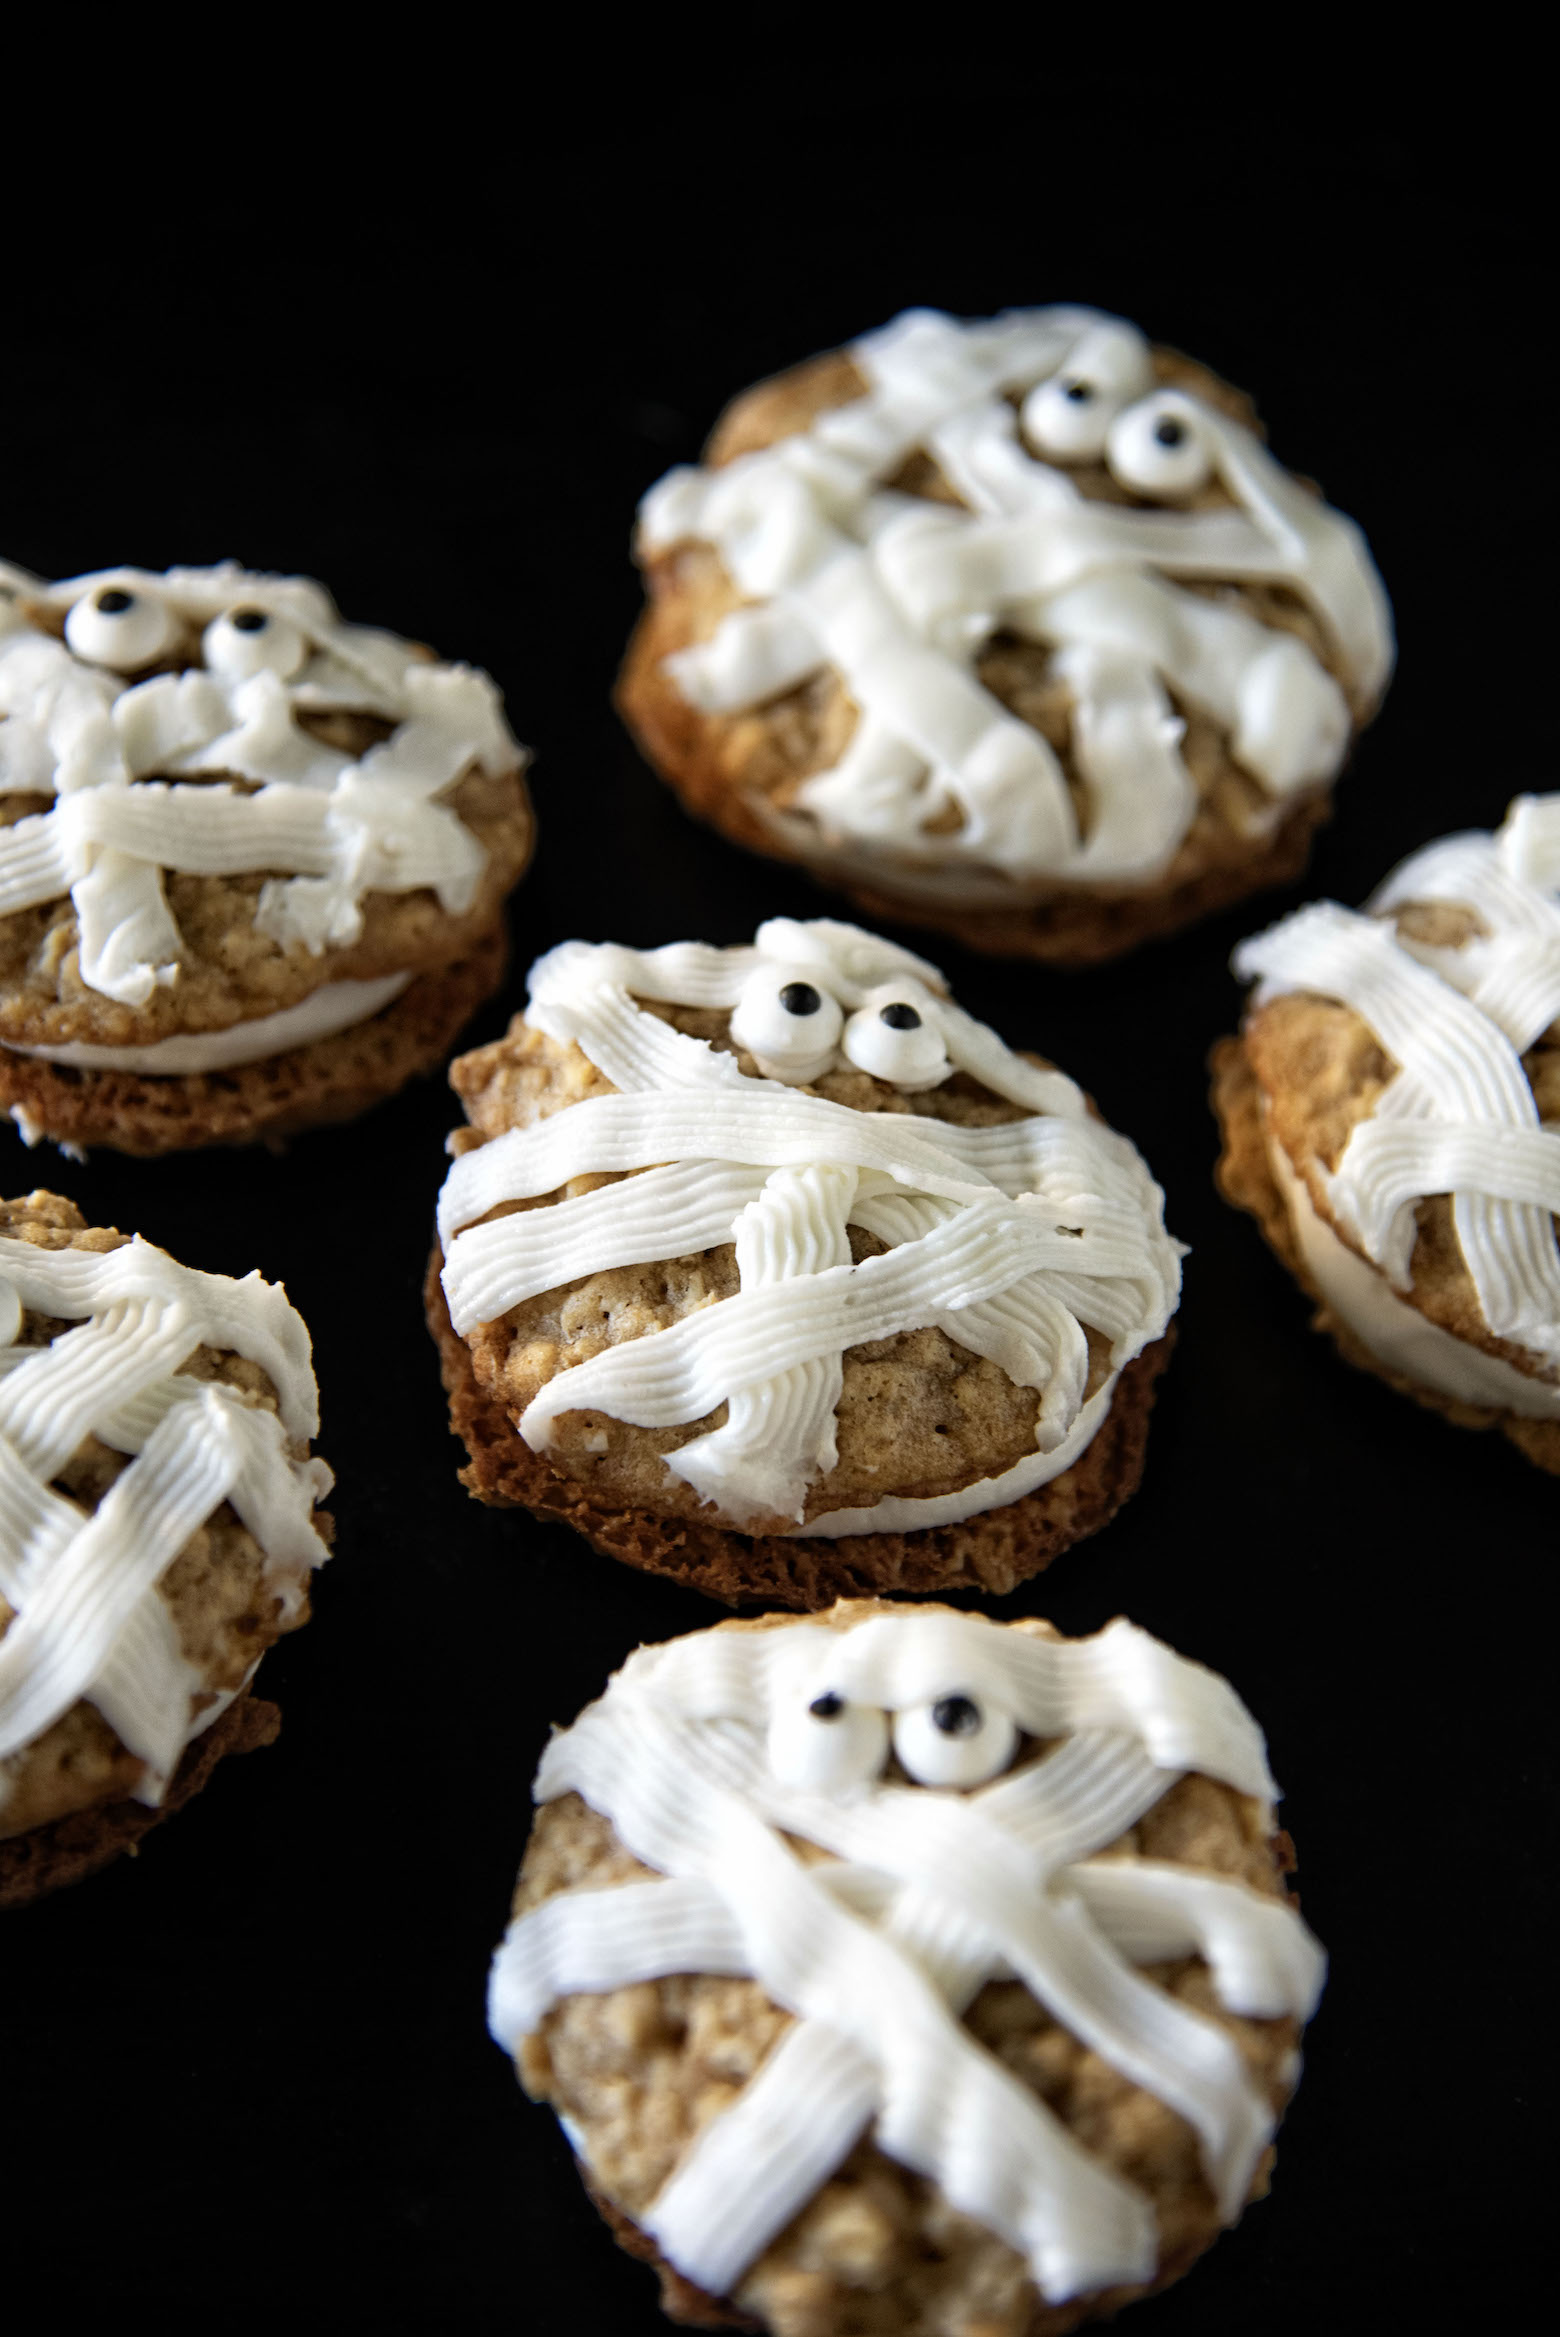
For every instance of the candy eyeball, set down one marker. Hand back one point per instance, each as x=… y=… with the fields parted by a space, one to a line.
x=1069 y=416
x=120 y=628
x=1160 y=447
x=824 y=1744
x=896 y=1037
x=249 y=640
x=788 y=1024
x=955 y=1741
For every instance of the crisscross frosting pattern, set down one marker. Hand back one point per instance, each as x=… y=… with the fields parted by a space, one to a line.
x=1010 y=1239
x=707 y=1753
x=899 y=594
x=88 y=1621
x=1460 y=1116
x=127 y=761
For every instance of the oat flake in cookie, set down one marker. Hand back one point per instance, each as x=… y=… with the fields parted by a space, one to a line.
x=908 y=1972
x=253 y=860
x=1012 y=629
x=1389 y=1116
x=770 y=1269
x=157 y=1531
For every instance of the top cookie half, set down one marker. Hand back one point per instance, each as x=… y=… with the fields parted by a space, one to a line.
x=1014 y=629
x=233 y=827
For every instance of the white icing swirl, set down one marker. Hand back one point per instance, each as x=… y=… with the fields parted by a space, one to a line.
x=1459 y=1117
x=929 y=1895
x=1008 y=1239
x=143 y=771
x=899 y=595
x=89 y=1621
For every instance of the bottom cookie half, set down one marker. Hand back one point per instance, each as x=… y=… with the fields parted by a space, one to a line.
x=332 y=1079
x=991 y=1552
x=49 y=1857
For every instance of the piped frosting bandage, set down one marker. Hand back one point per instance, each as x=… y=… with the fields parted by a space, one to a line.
x=899 y=595
x=713 y=1755
x=1010 y=1239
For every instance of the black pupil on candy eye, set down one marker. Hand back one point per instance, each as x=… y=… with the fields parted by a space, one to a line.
x=114 y=602
x=800 y=998
x=249 y=620
x=956 y=1716
x=827 y=1707
x=1169 y=432
x=900 y=1017
x=1080 y=392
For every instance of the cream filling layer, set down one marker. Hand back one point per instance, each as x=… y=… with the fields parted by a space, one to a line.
x=337 y=1007
x=1396 y=1333
x=898 y=1514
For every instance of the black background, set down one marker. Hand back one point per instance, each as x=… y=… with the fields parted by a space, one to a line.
x=246 y=2075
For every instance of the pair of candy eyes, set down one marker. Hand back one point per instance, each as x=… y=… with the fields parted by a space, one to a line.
x=125 y=630
x=792 y=1029
x=1149 y=445
x=834 y=1744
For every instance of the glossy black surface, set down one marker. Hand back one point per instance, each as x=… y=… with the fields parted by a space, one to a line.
x=245 y=2077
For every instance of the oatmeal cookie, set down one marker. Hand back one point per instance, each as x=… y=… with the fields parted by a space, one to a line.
x=771 y=1269
x=253 y=860
x=1014 y=630
x=907 y=1972
x=1388 y=1114
x=158 y=1528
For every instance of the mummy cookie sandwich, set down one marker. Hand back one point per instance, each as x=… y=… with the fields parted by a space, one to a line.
x=157 y=1531
x=905 y=1971
x=1013 y=629
x=253 y=860
x=771 y=1269
x=1389 y=1116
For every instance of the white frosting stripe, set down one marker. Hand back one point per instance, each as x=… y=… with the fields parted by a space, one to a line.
x=585 y=1942
x=877 y=1957
x=779 y=1434
x=89 y=1621
x=671 y=1213
x=1264 y=1964
x=1391 y=1163
x=899 y=596
x=757 y=2165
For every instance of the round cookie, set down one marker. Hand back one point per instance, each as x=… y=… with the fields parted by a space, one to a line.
x=770 y=1269
x=253 y=860
x=1011 y=629
x=1389 y=1117
x=157 y=1531
x=907 y=1972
